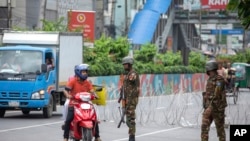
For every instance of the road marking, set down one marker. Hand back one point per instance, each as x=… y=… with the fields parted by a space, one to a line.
x=151 y=133
x=158 y=108
x=26 y=127
x=9 y=112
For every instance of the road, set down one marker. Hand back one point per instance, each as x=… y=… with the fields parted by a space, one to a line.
x=174 y=118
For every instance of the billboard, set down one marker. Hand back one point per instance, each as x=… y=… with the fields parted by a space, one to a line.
x=82 y=21
x=206 y=4
x=215 y=4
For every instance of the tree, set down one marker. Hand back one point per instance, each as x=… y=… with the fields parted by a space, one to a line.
x=242 y=7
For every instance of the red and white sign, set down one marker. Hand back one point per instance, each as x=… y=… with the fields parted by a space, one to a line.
x=82 y=21
x=215 y=4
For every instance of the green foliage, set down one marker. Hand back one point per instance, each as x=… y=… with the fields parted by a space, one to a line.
x=242 y=7
x=169 y=58
x=196 y=59
x=233 y=5
x=54 y=26
x=105 y=58
x=48 y=26
x=243 y=56
x=119 y=48
x=146 y=53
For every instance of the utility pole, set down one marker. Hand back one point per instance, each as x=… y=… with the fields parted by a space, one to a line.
x=200 y=16
x=44 y=11
x=126 y=17
x=9 y=24
x=57 y=10
x=112 y=21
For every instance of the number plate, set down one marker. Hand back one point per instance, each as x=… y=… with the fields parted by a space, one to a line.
x=85 y=106
x=13 y=103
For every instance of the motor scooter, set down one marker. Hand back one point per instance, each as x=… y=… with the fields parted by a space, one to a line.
x=85 y=118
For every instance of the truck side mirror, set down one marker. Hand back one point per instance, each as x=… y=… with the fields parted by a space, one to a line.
x=44 y=68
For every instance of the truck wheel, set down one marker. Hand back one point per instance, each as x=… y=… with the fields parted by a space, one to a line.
x=47 y=111
x=26 y=112
x=2 y=112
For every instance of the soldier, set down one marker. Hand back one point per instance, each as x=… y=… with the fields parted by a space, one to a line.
x=214 y=103
x=131 y=85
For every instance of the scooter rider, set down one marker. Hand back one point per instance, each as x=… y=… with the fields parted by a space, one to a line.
x=78 y=84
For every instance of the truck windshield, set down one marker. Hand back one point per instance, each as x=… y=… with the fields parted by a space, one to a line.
x=20 y=61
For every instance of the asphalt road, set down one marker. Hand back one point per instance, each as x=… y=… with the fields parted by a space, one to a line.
x=161 y=118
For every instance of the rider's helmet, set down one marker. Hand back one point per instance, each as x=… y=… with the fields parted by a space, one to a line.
x=128 y=60
x=211 y=65
x=79 y=69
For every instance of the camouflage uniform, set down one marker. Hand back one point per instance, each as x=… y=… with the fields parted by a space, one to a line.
x=131 y=85
x=214 y=103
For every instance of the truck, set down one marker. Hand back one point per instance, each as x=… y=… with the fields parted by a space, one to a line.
x=34 y=86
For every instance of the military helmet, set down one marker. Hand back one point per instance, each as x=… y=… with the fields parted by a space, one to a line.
x=127 y=60
x=211 y=65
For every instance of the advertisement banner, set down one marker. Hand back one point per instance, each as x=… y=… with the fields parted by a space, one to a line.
x=215 y=4
x=83 y=21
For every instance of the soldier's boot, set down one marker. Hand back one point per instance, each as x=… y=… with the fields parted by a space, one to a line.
x=98 y=139
x=222 y=139
x=131 y=138
x=204 y=138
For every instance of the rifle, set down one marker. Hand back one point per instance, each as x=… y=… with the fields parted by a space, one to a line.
x=121 y=95
x=123 y=111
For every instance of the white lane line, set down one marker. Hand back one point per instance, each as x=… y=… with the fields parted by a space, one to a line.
x=9 y=112
x=151 y=133
x=26 y=127
x=158 y=108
